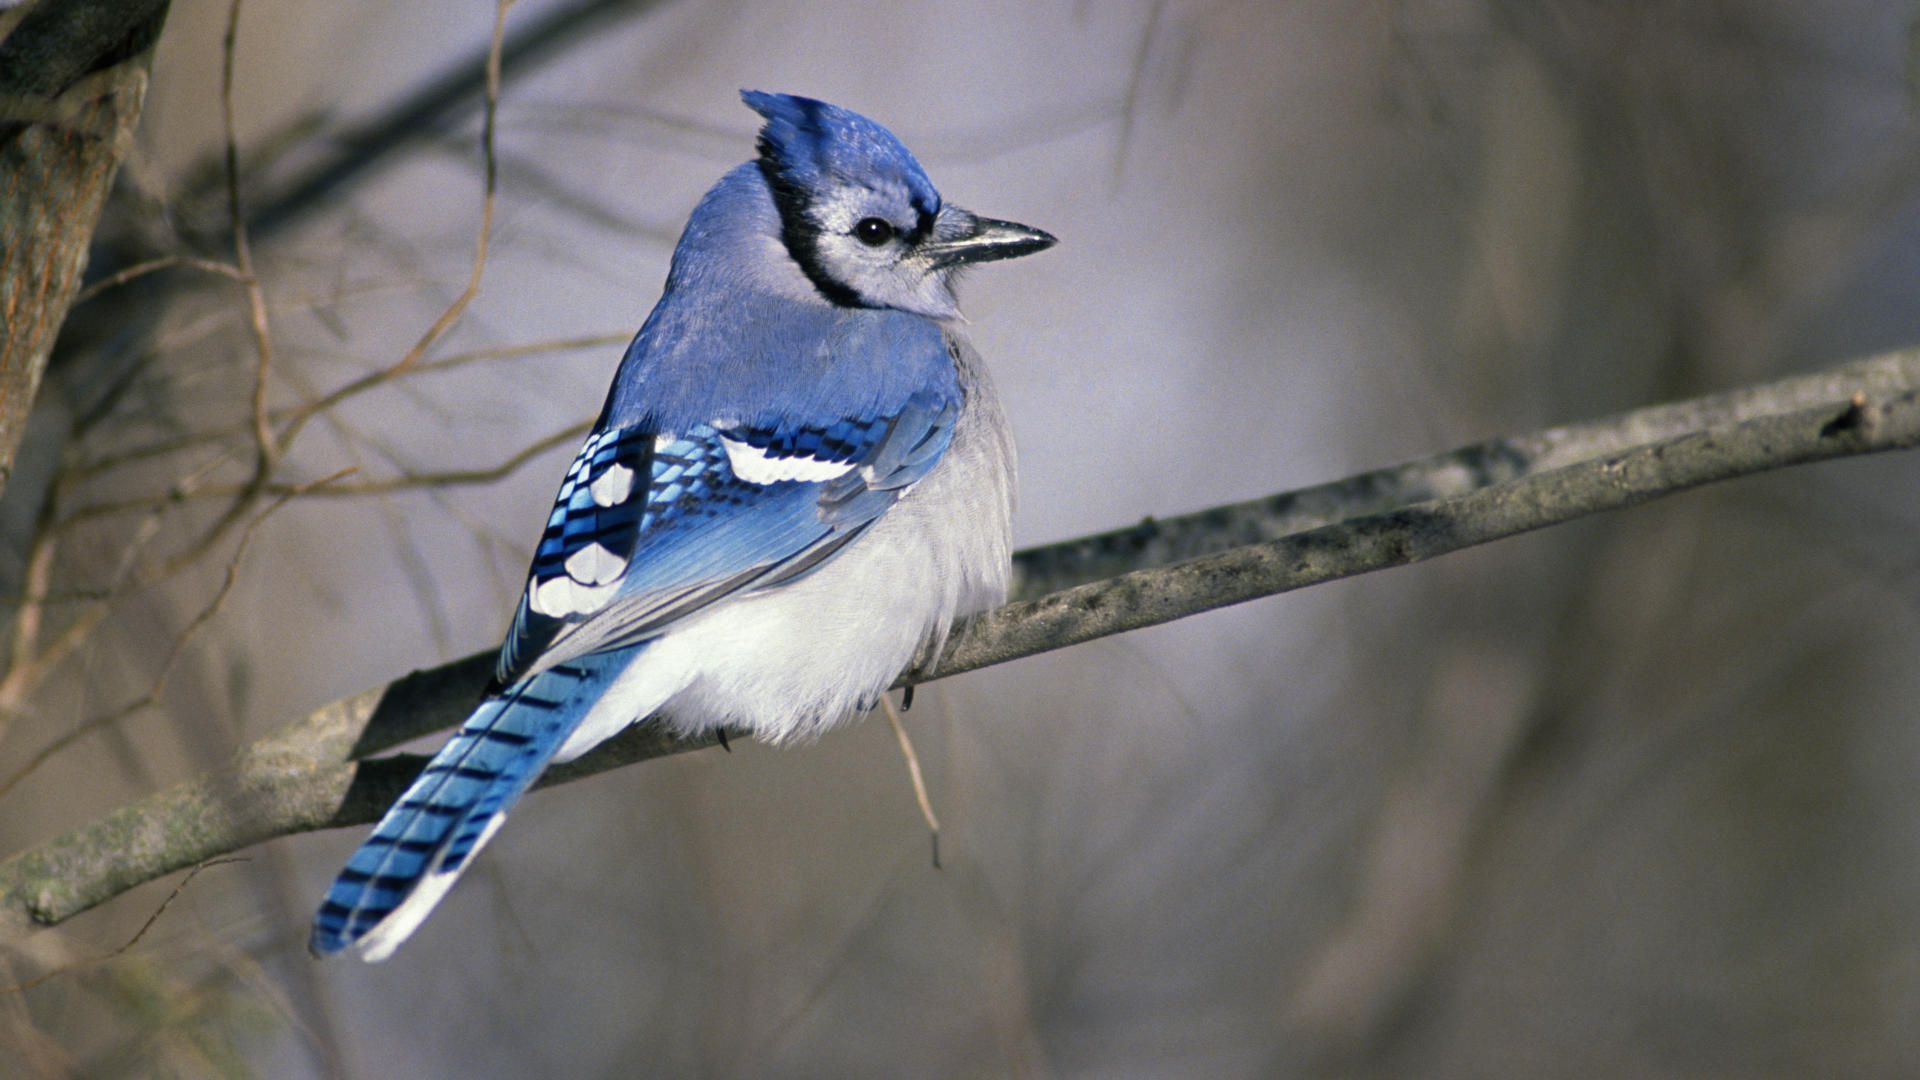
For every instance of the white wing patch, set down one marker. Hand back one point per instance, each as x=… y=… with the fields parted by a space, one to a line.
x=613 y=486
x=756 y=466
x=560 y=596
x=595 y=565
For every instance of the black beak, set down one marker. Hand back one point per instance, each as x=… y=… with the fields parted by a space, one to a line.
x=960 y=237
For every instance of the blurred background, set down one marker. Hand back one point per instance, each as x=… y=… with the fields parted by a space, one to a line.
x=1636 y=796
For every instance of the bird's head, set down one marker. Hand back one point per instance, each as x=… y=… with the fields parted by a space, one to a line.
x=859 y=215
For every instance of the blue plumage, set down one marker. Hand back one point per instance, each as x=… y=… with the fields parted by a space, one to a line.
x=447 y=813
x=799 y=479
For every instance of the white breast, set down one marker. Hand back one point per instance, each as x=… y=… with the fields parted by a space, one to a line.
x=790 y=662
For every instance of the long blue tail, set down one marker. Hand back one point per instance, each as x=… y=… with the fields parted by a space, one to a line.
x=419 y=849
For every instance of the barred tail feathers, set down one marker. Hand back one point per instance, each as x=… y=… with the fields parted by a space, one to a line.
x=419 y=849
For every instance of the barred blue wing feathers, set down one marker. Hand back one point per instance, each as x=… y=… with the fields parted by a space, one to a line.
x=724 y=509
x=423 y=843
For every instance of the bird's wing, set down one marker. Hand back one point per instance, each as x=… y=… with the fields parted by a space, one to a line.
x=651 y=526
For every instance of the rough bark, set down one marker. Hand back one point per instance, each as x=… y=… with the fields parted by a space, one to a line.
x=73 y=76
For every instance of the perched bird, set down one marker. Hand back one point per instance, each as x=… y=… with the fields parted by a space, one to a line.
x=799 y=479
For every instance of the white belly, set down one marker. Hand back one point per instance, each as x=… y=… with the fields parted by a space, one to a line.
x=790 y=662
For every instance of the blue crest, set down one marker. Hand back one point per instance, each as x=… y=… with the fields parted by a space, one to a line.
x=810 y=143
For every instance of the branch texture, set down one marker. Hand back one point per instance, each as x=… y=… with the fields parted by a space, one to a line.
x=73 y=76
x=311 y=776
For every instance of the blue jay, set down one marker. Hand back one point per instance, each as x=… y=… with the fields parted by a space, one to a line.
x=799 y=479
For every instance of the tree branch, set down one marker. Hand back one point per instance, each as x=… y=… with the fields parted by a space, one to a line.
x=434 y=105
x=309 y=776
x=73 y=76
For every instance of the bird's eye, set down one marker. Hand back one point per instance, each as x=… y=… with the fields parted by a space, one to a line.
x=873 y=231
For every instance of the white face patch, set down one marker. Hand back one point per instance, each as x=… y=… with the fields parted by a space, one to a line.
x=756 y=466
x=613 y=486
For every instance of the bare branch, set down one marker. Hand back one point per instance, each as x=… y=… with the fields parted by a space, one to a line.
x=310 y=776
x=145 y=452
x=1160 y=542
x=409 y=481
x=151 y=266
x=490 y=168
x=180 y=640
x=436 y=104
x=267 y=448
x=488 y=199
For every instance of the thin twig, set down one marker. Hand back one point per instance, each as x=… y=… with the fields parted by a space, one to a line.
x=490 y=173
x=28 y=669
x=266 y=446
x=179 y=645
x=1130 y=104
x=270 y=449
x=38 y=581
x=142 y=269
x=914 y=774
x=146 y=452
x=433 y=106
x=566 y=436
x=412 y=481
x=66 y=969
